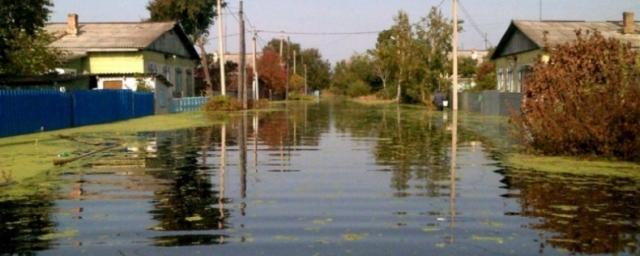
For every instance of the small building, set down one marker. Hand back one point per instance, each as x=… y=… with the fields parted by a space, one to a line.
x=524 y=42
x=117 y=54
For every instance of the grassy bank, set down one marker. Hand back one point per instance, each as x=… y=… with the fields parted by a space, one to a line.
x=573 y=165
x=27 y=156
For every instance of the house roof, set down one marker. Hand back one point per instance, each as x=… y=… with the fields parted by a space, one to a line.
x=560 y=32
x=114 y=37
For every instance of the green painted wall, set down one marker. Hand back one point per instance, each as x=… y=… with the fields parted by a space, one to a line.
x=139 y=62
x=514 y=62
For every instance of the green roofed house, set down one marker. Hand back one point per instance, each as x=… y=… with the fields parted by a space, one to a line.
x=524 y=43
x=124 y=55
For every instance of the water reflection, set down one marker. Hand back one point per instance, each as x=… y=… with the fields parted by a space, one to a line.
x=333 y=179
x=453 y=175
x=24 y=223
x=580 y=214
x=187 y=200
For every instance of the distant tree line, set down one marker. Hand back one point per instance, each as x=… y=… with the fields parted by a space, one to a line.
x=410 y=62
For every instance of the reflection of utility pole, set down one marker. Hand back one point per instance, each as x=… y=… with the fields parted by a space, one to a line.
x=223 y=81
x=223 y=163
x=256 y=132
x=243 y=162
x=452 y=190
x=454 y=43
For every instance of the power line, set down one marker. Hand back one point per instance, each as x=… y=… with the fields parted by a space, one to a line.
x=320 y=33
x=474 y=25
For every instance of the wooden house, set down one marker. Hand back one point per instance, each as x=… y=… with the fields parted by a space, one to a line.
x=118 y=54
x=525 y=42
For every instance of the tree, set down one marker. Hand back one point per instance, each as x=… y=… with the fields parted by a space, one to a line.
x=272 y=74
x=485 y=77
x=383 y=55
x=297 y=83
x=318 y=69
x=195 y=17
x=584 y=101
x=402 y=43
x=467 y=66
x=23 y=42
x=434 y=34
x=355 y=75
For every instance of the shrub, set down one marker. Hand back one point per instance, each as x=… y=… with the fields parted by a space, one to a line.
x=584 y=101
x=262 y=103
x=357 y=88
x=222 y=103
x=300 y=97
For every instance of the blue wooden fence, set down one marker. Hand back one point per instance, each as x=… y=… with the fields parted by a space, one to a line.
x=31 y=111
x=187 y=104
x=96 y=107
x=23 y=111
x=143 y=104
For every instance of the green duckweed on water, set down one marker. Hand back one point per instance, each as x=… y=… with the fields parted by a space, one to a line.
x=27 y=156
x=576 y=166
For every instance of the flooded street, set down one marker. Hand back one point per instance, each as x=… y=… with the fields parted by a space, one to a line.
x=324 y=179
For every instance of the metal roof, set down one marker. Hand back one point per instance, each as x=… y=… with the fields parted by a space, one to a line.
x=112 y=36
x=560 y=32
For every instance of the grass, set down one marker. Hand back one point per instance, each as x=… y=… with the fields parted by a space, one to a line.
x=572 y=165
x=372 y=100
x=27 y=156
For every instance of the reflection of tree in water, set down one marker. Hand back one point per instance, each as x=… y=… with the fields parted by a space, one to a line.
x=23 y=222
x=412 y=142
x=583 y=215
x=301 y=124
x=189 y=201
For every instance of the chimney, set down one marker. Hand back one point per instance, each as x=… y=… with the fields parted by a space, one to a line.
x=628 y=23
x=72 y=24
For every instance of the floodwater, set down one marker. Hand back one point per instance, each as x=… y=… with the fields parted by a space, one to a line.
x=324 y=179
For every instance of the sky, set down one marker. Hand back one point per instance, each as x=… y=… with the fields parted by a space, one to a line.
x=491 y=16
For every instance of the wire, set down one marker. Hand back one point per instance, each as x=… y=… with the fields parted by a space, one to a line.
x=320 y=33
x=474 y=25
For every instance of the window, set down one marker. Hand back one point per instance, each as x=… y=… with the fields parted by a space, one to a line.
x=523 y=73
x=152 y=68
x=178 y=84
x=189 y=82
x=510 y=83
x=500 y=80
x=112 y=85
x=166 y=72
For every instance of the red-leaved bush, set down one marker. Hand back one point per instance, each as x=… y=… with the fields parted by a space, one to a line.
x=585 y=101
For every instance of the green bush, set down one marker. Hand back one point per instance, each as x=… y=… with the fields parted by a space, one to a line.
x=357 y=89
x=222 y=103
x=584 y=101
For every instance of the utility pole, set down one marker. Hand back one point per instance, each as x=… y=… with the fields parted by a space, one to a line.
x=306 y=86
x=287 y=66
x=281 y=46
x=223 y=81
x=242 y=85
x=305 y=75
x=294 y=61
x=454 y=43
x=540 y=11
x=256 y=80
